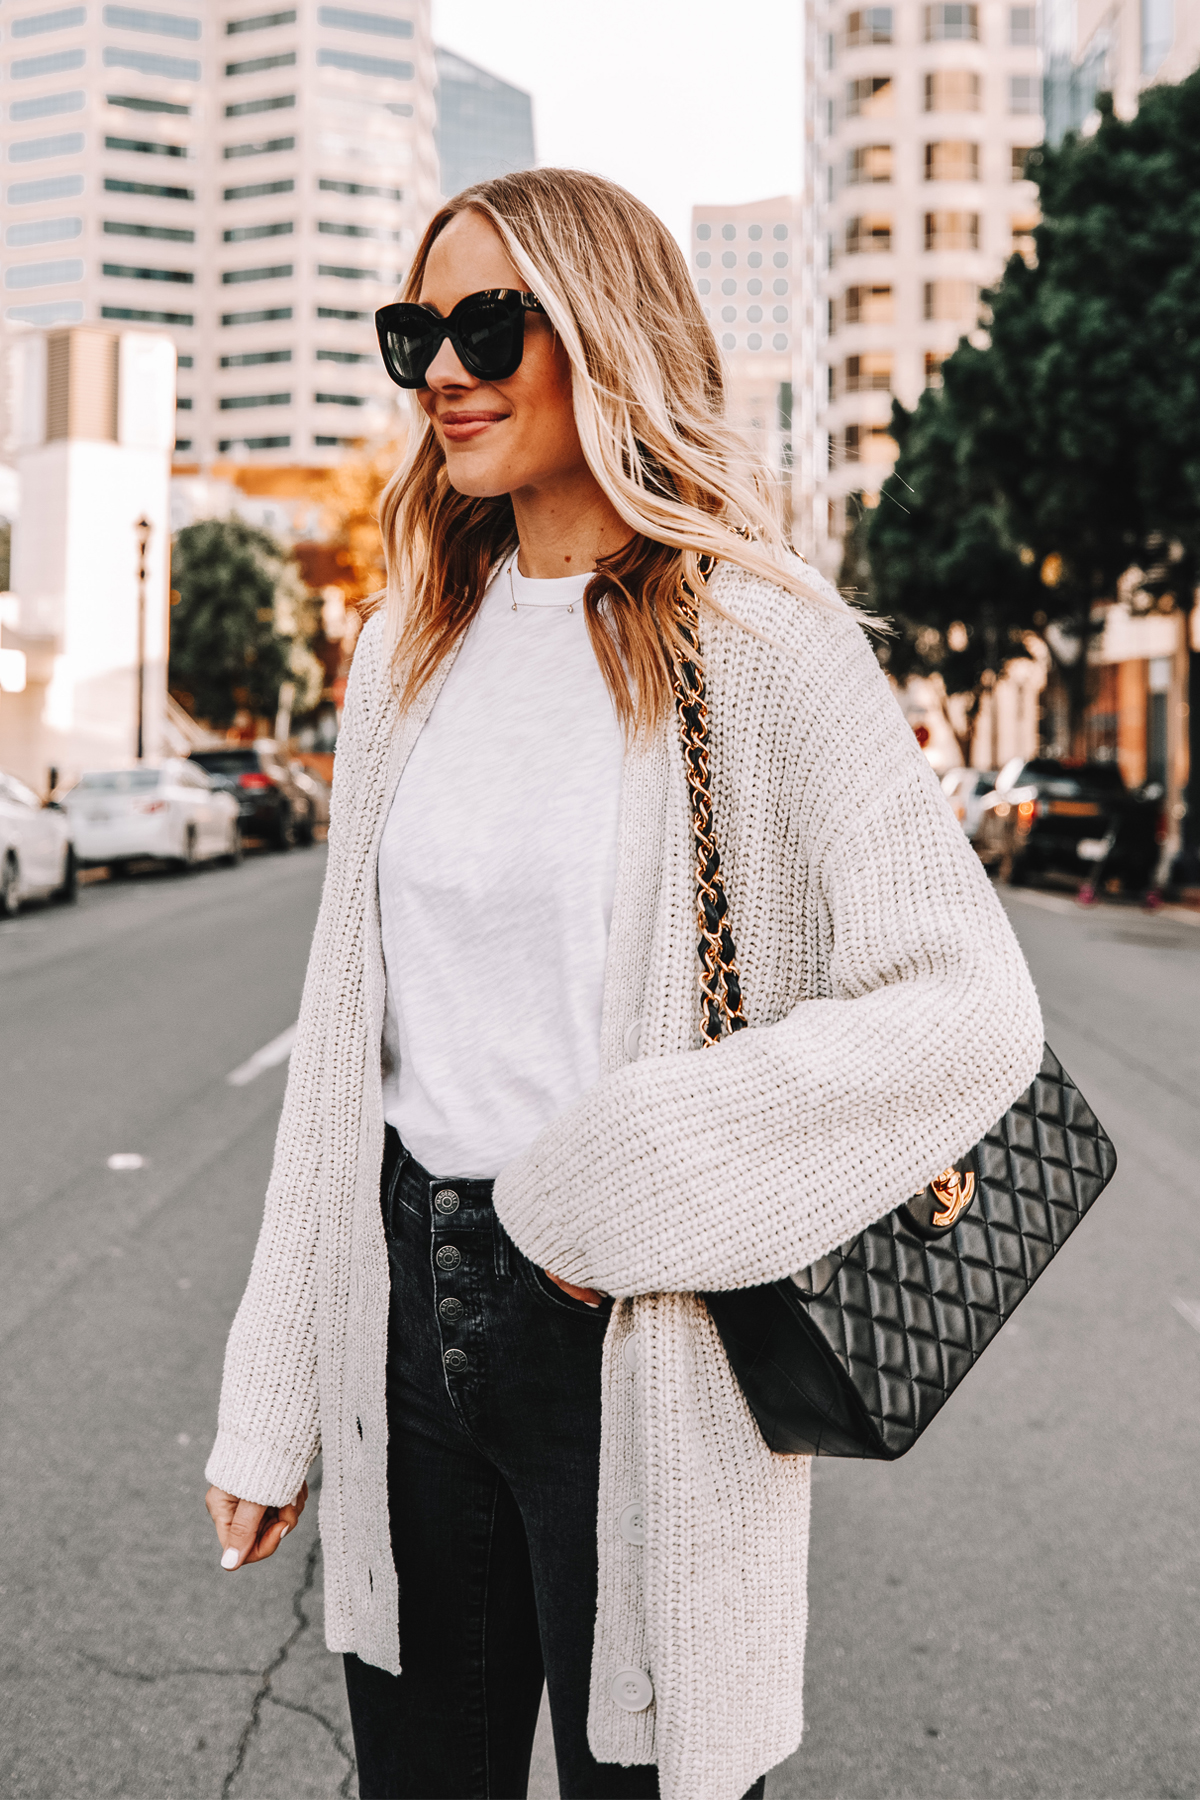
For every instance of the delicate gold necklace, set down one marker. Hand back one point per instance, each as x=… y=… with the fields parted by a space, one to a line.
x=512 y=563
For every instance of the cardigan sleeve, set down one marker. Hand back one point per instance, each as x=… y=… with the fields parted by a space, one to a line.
x=735 y=1165
x=268 y=1431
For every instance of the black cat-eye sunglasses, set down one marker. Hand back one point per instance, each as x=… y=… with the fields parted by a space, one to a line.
x=487 y=331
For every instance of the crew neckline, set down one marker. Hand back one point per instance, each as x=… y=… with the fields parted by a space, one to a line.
x=538 y=590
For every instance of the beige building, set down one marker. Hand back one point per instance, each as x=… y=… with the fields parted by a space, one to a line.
x=924 y=114
x=251 y=180
x=748 y=265
x=1115 y=45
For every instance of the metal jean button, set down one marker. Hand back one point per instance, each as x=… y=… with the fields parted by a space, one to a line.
x=448 y=1257
x=455 y=1361
x=632 y=1689
x=451 y=1309
x=446 y=1200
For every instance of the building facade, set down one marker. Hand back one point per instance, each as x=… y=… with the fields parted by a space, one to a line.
x=1118 y=46
x=748 y=265
x=924 y=116
x=253 y=182
x=484 y=125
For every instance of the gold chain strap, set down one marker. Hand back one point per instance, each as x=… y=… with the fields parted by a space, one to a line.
x=720 y=981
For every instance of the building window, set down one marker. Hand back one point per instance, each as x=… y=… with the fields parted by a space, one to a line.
x=145 y=147
x=132 y=18
x=947 y=22
x=276 y=272
x=952 y=300
x=703 y=259
x=1022 y=24
x=265 y=147
x=953 y=161
x=730 y=287
x=148 y=62
x=175 y=234
x=371 y=193
x=869 y=163
x=151 y=188
x=247 y=234
x=332 y=229
x=184 y=362
x=46 y=106
x=868 y=305
x=338 y=273
x=261 y=316
x=137 y=315
x=729 y=232
x=242 y=402
x=242 y=109
x=48 y=312
x=1158 y=31
x=951 y=231
x=1024 y=94
x=247 y=359
x=50 y=187
x=340 y=399
x=872 y=25
x=952 y=90
x=364 y=65
x=379 y=24
x=1023 y=241
x=44 y=274
x=869 y=444
x=257 y=65
x=869 y=231
x=704 y=232
x=869 y=373
x=341 y=312
x=183 y=443
x=56 y=63
x=729 y=259
x=35 y=23
x=255 y=190
x=132 y=272
x=260 y=22
x=344 y=356
x=183 y=405
x=871 y=97
x=1020 y=158
x=253 y=443
x=139 y=103
x=42 y=231
x=65 y=143
x=933 y=368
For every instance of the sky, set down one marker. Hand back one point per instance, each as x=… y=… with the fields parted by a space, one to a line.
x=686 y=102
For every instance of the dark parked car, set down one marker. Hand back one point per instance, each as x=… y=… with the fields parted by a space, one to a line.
x=271 y=803
x=1068 y=818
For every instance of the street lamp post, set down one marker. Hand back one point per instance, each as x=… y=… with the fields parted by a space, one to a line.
x=143 y=529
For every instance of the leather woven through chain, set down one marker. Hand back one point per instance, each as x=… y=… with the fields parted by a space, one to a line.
x=720 y=982
x=855 y=1355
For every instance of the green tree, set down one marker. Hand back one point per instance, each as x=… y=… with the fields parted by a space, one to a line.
x=241 y=624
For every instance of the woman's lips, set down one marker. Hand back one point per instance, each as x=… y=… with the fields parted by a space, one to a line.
x=459 y=427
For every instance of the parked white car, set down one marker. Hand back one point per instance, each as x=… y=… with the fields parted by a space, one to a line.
x=168 y=810
x=35 y=848
x=967 y=791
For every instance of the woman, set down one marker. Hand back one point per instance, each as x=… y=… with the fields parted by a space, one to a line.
x=534 y=1450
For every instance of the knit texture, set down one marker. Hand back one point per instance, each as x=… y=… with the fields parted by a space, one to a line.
x=892 y=1022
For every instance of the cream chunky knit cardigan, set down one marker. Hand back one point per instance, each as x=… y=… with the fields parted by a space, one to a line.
x=893 y=1021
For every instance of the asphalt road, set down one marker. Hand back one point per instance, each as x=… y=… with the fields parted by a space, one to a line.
x=1010 y=1611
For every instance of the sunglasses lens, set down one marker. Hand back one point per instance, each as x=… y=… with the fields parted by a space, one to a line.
x=409 y=345
x=491 y=337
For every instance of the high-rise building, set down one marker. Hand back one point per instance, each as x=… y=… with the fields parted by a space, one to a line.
x=1114 y=45
x=748 y=265
x=924 y=116
x=484 y=126
x=251 y=181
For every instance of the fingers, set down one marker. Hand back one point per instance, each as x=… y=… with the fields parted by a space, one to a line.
x=589 y=1296
x=247 y=1531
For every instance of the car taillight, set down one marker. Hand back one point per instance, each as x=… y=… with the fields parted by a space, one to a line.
x=149 y=806
x=253 y=779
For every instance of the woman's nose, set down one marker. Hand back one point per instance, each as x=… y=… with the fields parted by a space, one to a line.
x=445 y=371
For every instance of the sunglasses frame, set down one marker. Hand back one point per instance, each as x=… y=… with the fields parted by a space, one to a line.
x=387 y=320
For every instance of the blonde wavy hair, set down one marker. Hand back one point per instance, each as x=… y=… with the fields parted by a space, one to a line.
x=649 y=402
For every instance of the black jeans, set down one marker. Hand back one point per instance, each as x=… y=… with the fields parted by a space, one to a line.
x=494 y=1442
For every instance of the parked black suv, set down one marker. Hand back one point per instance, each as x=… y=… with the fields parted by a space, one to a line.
x=271 y=803
x=1069 y=818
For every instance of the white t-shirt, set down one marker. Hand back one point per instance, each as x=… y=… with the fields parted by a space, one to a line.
x=496 y=875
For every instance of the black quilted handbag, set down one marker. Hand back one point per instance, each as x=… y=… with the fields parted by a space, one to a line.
x=856 y=1354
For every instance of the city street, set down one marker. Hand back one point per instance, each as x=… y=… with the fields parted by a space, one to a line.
x=1010 y=1611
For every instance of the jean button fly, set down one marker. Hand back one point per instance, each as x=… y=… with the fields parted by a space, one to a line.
x=452 y=1310
x=446 y=1200
x=455 y=1361
x=448 y=1257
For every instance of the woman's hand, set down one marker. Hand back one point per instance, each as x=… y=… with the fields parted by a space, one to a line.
x=247 y=1531
x=589 y=1296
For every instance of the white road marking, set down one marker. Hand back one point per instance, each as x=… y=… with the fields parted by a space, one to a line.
x=126 y=1159
x=1189 y=1310
x=269 y=1057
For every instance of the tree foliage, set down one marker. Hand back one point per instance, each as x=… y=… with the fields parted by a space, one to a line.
x=241 y=623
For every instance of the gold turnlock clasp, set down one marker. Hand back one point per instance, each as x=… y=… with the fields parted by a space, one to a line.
x=955 y=1191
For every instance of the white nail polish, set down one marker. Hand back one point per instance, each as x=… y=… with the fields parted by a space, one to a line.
x=284 y=1533
x=230 y=1558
